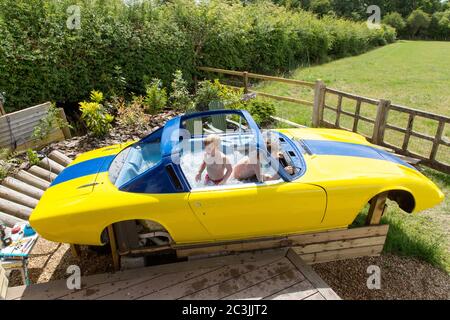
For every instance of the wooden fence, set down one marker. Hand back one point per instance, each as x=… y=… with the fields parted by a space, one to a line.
x=16 y=128
x=439 y=141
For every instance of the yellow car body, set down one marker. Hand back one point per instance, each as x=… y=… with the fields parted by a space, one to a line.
x=334 y=188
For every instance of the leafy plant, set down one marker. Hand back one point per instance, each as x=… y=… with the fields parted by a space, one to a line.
x=215 y=91
x=261 y=111
x=180 y=98
x=33 y=157
x=156 y=97
x=48 y=123
x=97 y=119
x=5 y=162
x=133 y=114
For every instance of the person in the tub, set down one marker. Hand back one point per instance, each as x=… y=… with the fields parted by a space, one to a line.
x=249 y=167
x=217 y=165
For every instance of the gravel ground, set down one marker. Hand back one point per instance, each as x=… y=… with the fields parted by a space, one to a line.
x=402 y=278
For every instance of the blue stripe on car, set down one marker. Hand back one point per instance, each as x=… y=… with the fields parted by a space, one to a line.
x=337 y=148
x=85 y=168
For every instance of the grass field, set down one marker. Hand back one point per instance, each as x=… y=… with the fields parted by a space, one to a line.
x=414 y=74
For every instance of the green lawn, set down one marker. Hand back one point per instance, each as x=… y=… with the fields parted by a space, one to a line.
x=414 y=74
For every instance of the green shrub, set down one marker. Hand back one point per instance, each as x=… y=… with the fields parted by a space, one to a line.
x=93 y=113
x=132 y=115
x=208 y=92
x=156 y=97
x=48 y=123
x=180 y=99
x=118 y=44
x=261 y=111
x=32 y=157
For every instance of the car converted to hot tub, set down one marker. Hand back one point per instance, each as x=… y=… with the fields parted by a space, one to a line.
x=152 y=184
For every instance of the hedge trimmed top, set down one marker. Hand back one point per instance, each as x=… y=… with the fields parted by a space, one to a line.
x=119 y=46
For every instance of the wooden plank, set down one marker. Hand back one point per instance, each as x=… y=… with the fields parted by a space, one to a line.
x=27 y=111
x=357 y=114
x=319 y=103
x=241 y=282
x=223 y=71
x=9 y=220
x=409 y=129
x=312 y=276
x=113 y=244
x=60 y=158
x=293 y=124
x=298 y=291
x=334 y=255
x=424 y=114
x=22 y=187
x=15 y=209
x=340 y=244
x=316 y=296
x=353 y=96
x=269 y=286
x=380 y=121
x=42 y=173
x=437 y=140
x=194 y=285
x=282 y=80
x=145 y=288
x=276 y=242
x=31 y=179
x=17 y=197
x=54 y=136
x=65 y=130
x=281 y=98
x=376 y=210
x=51 y=165
x=338 y=112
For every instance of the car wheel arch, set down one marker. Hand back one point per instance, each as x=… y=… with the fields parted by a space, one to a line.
x=402 y=196
x=103 y=234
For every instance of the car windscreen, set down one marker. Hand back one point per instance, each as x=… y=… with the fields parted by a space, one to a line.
x=133 y=161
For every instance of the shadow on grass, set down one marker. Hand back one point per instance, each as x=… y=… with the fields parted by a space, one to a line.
x=412 y=235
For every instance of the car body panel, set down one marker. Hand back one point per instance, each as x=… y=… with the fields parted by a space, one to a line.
x=342 y=172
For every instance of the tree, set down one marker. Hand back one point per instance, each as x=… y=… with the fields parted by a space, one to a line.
x=418 y=21
x=395 y=20
x=321 y=7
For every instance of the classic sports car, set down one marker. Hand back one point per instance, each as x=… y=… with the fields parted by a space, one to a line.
x=152 y=183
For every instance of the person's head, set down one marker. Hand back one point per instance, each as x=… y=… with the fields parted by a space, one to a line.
x=212 y=142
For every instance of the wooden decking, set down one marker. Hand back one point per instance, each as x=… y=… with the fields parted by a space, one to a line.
x=275 y=274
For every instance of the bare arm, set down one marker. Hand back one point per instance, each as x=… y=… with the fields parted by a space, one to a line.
x=229 y=170
x=198 y=177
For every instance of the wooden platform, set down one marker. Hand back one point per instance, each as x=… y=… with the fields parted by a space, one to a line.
x=274 y=274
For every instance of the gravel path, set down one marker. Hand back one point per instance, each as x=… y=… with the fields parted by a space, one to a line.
x=401 y=278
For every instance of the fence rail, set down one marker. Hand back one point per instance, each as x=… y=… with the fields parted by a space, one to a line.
x=379 y=121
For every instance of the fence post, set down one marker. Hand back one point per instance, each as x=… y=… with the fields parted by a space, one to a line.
x=2 y=110
x=245 y=75
x=65 y=129
x=319 y=101
x=380 y=121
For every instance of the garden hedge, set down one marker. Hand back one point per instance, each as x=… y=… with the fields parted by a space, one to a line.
x=42 y=59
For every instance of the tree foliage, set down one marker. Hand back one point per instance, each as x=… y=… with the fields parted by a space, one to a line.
x=119 y=46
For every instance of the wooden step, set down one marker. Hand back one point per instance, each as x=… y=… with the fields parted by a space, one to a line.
x=51 y=165
x=17 y=197
x=42 y=173
x=60 y=158
x=22 y=187
x=15 y=209
x=9 y=220
x=32 y=180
